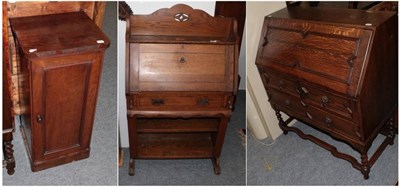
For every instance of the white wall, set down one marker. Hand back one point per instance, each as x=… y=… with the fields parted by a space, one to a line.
x=255 y=13
x=144 y=8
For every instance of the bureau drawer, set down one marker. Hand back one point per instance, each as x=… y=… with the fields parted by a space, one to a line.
x=331 y=56
x=179 y=101
x=181 y=67
x=328 y=101
x=280 y=82
x=326 y=120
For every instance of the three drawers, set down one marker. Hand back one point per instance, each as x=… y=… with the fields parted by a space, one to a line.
x=326 y=110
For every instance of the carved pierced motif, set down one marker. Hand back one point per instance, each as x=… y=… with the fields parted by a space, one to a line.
x=181 y=17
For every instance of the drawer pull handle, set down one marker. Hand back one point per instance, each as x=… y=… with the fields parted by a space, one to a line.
x=265 y=41
x=328 y=121
x=325 y=100
x=287 y=102
x=39 y=119
x=304 y=89
x=182 y=60
x=202 y=101
x=349 y=110
x=304 y=34
x=130 y=103
x=157 y=102
x=303 y=103
x=281 y=83
x=350 y=60
x=309 y=115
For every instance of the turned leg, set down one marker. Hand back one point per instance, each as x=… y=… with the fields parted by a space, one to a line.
x=9 y=153
x=281 y=122
x=365 y=165
x=131 y=167
x=391 y=133
x=216 y=165
x=133 y=143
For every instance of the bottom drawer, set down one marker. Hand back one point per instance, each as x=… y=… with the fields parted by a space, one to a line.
x=179 y=101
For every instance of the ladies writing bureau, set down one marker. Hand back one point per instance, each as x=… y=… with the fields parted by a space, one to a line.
x=61 y=57
x=335 y=70
x=181 y=81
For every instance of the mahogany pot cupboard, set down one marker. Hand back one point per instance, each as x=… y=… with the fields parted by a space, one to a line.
x=61 y=58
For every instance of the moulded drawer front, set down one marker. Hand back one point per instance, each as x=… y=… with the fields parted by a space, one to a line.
x=181 y=67
x=326 y=55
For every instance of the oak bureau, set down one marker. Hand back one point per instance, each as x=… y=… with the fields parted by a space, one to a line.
x=335 y=70
x=181 y=82
x=61 y=57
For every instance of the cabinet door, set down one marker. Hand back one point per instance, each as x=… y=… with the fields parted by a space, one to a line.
x=64 y=93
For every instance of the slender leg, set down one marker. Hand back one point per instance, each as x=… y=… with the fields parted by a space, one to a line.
x=133 y=144
x=281 y=122
x=219 y=141
x=131 y=167
x=9 y=153
x=365 y=165
x=216 y=165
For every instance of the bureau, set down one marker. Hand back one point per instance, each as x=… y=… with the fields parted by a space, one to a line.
x=181 y=82
x=61 y=58
x=335 y=70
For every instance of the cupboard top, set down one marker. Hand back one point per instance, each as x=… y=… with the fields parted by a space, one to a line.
x=48 y=35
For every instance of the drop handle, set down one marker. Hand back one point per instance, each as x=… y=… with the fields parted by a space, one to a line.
x=39 y=119
x=157 y=102
x=202 y=101
x=328 y=121
x=325 y=100
x=182 y=60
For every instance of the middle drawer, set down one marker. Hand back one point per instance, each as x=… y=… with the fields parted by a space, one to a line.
x=179 y=101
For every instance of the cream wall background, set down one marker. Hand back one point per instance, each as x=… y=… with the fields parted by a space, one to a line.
x=261 y=118
x=148 y=8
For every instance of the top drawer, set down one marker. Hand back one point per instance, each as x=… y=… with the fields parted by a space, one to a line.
x=180 y=67
x=328 y=55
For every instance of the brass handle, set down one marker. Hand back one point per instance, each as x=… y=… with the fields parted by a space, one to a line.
x=328 y=121
x=130 y=103
x=157 y=101
x=281 y=84
x=39 y=119
x=309 y=115
x=287 y=102
x=182 y=60
x=325 y=100
x=202 y=101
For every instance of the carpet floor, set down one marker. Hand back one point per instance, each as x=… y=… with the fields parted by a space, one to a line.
x=101 y=167
x=196 y=171
x=291 y=160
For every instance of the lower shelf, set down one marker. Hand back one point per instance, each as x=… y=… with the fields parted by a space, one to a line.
x=175 y=145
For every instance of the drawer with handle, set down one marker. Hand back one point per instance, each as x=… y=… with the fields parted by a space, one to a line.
x=178 y=101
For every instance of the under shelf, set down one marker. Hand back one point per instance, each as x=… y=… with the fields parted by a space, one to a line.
x=175 y=145
x=158 y=125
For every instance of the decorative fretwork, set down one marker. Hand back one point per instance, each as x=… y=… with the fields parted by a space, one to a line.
x=181 y=17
